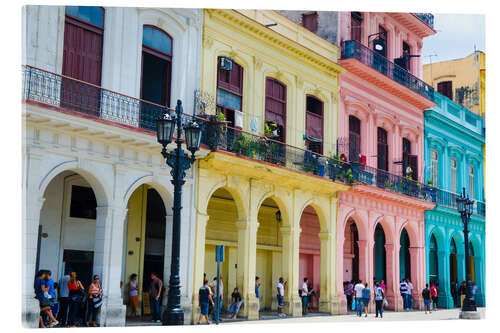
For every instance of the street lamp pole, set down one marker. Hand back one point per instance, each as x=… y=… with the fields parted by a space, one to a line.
x=465 y=208
x=179 y=162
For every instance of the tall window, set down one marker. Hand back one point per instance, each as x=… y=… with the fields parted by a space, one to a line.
x=276 y=107
x=354 y=139
x=156 y=73
x=82 y=58
x=445 y=88
x=229 y=88
x=310 y=21
x=382 y=149
x=406 y=56
x=433 y=259
x=434 y=167
x=453 y=176
x=472 y=182
x=410 y=162
x=356 y=26
x=314 y=124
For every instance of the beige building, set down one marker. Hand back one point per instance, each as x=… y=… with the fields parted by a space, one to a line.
x=461 y=80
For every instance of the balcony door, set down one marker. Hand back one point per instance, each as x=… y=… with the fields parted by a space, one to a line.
x=410 y=162
x=382 y=149
x=276 y=108
x=156 y=74
x=354 y=139
x=82 y=59
x=314 y=124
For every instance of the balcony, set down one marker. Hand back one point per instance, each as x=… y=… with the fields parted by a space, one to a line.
x=374 y=68
x=73 y=96
x=428 y=18
x=458 y=114
x=70 y=96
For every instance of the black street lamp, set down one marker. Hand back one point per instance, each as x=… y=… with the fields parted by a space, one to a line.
x=465 y=206
x=179 y=162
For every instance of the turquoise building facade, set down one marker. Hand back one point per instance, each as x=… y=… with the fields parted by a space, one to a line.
x=453 y=148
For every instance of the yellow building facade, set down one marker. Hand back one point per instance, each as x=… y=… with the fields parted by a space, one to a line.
x=467 y=77
x=254 y=208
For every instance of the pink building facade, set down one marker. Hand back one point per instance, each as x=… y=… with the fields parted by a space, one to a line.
x=380 y=230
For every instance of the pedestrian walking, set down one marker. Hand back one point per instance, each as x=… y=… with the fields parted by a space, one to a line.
x=379 y=300
x=454 y=290
x=133 y=295
x=358 y=294
x=235 y=304
x=280 y=295
x=410 y=294
x=64 y=301
x=76 y=294
x=257 y=286
x=204 y=299
x=403 y=289
x=304 y=295
x=426 y=295
x=366 y=298
x=94 y=301
x=349 y=288
x=434 y=296
x=155 y=289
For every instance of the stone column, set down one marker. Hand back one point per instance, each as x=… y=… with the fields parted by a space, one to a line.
x=290 y=261
x=444 y=296
x=364 y=264
x=417 y=255
x=480 y=296
x=167 y=258
x=247 y=248
x=461 y=267
x=392 y=285
x=199 y=261
x=108 y=251
x=328 y=301
x=276 y=274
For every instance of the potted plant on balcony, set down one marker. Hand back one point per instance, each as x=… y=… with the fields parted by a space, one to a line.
x=216 y=132
x=241 y=145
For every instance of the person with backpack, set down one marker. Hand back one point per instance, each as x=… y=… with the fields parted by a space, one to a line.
x=426 y=295
x=379 y=299
x=204 y=299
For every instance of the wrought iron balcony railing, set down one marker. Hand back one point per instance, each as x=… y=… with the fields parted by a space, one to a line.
x=66 y=94
x=353 y=49
x=428 y=18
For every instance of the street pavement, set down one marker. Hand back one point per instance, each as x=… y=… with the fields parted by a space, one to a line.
x=441 y=314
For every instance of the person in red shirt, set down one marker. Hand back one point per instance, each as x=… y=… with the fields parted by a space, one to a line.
x=434 y=296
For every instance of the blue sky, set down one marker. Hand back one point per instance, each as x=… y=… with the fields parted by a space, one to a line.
x=455 y=38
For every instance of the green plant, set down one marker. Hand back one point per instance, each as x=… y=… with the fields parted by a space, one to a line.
x=221 y=116
x=241 y=144
x=349 y=176
x=429 y=182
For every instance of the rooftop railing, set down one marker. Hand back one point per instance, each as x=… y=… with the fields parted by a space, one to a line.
x=428 y=18
x=67 y=94
x=353 y=49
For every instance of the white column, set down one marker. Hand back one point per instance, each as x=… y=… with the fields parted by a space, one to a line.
x=108 y=250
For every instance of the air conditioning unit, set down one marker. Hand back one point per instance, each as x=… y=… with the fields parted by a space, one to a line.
x=226 y=63
x=238 y=119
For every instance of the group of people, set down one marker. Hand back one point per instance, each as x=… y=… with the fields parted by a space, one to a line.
x=459 y=292
x=360 y=295
x=207 y=298
x=67 y=303
x=155 y=296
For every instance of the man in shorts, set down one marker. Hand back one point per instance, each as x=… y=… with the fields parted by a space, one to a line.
x=426 y=295
x=280 y=288
x=204 y=298
x=305 y=295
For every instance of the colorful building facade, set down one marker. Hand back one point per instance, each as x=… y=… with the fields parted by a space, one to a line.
x=380 y=223
x=453 y=154
x=260 y=193
x=461 y=80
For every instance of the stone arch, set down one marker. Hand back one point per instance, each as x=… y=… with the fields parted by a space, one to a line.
x=438 y=235
x=361 y=225
x=322 y=217
x=284 y=209
x=101 y=194
x=235 y=193
x=165 y=192
x=412 y=231
x=388 y=228
x=357 y=109
x=459 y=241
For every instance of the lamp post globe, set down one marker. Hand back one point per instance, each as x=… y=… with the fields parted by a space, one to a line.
x=192 y=133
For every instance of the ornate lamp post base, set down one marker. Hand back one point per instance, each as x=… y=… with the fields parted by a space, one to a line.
x=469 y=315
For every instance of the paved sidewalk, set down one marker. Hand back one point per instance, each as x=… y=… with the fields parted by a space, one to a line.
x=443 y=314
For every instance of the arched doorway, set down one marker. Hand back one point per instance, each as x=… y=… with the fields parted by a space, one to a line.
x=145 y=242
x=453 y=261
x=404 y=256
x=379 y=255
x=433 y=260
x=67 y=227
x=268 y=253
x=351 y=252
x=221 y=230
x=309 y=254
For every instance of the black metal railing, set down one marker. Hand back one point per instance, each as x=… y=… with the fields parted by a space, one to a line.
x=65 y=93
x=428 y=18
x=353 y=49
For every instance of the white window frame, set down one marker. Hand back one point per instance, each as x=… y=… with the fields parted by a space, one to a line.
x=453 y=175
x=472 y=181
x=434 y=167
